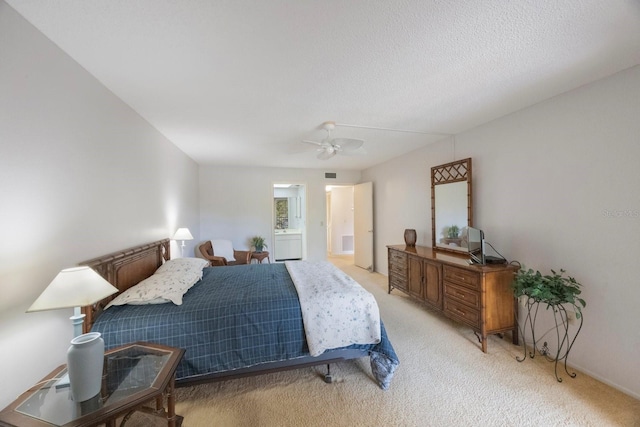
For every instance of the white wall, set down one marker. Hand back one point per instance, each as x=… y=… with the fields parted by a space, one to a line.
x=236 y=203
x=81 y=175
x=556 y=186
x=402 y=199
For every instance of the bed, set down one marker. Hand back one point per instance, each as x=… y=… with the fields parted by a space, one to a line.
x=236 y=321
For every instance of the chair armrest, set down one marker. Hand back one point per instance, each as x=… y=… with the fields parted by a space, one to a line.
x=242 y=257
x=217 y=261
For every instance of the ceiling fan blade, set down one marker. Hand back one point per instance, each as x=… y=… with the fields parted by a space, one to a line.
x=357 y=152
x=312 y=142
x=325 y=154
x=348 y=143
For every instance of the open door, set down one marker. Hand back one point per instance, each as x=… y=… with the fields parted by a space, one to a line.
x=363 y=225
x=329 y=219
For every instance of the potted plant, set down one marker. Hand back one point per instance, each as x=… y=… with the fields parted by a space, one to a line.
x=258 y=243
x=557 y=292
x=553 y=290
x=453 y=232
x=451 y=235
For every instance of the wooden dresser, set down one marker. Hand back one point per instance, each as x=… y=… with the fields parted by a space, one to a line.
x=479 y=296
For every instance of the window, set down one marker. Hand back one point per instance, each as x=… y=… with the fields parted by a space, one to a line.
x=282 y=213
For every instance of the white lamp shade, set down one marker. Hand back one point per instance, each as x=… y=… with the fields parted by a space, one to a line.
x=73 y=287
x=183 y=234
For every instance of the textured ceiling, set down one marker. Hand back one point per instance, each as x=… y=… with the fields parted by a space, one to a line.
x=237 y=82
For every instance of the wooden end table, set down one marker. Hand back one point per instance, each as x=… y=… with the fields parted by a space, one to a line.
x=134 y=375
x=260 y=256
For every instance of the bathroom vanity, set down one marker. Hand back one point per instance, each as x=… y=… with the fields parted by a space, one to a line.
x=288 y=244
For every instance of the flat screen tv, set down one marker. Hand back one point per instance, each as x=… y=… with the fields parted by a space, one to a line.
x=475 y=245
x=477 y=248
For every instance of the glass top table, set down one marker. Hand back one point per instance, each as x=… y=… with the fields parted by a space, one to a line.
x=133 y=375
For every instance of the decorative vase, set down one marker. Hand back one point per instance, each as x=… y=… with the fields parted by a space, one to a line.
x=410 y=237
x=85 y=360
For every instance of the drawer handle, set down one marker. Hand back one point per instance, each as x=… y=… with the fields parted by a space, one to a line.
x=458 y=294
x=460 y=311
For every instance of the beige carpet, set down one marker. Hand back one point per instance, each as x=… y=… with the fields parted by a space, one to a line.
x=443 y=379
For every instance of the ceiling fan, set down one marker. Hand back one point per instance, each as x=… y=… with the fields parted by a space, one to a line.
x=329 y=147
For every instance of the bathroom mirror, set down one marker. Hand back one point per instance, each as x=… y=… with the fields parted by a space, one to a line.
x=451 y=205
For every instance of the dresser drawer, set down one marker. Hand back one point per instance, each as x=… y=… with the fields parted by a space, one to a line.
x=397 y=257
x=398 y=269
x=461 y=294
x=397 y=262
x=459 y=311
x=398 y=281
x=461 y=276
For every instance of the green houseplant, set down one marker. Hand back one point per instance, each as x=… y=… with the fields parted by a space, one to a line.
x=258 y=243
x=453 y=232
x=553 y=289
x=557 y=292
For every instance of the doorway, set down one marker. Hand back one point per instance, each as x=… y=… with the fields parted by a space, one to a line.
x=349 y=220
x=289 y=221
x=340 y=220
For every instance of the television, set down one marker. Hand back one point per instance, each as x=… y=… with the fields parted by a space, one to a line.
x=475 y=245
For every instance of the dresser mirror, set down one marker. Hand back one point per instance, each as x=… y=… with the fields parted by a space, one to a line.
x=451 y=205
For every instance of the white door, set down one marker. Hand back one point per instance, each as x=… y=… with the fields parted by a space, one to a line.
x=329 y=220
x=363 y=225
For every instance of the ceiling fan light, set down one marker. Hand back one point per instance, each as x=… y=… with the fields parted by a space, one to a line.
x=329 y=147
x=329 y=126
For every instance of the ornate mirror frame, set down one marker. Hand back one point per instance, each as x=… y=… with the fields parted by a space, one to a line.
x=443 y=176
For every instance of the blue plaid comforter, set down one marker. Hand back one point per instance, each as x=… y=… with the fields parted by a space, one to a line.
x=235 y=317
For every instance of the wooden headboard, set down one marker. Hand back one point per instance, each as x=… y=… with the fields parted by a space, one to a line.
x=124 y=269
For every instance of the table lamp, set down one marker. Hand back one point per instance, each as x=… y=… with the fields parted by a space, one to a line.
x=77 y=287
x=182 y=234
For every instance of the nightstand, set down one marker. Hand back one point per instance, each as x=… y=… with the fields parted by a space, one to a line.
x=134 y=375
x=260 y=256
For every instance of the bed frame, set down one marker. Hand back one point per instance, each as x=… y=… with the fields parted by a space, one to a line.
x=124 y=269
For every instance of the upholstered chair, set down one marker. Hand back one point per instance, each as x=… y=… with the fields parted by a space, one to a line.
x=221 y=252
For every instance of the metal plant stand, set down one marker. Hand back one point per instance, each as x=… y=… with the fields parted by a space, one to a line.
x=564 y=340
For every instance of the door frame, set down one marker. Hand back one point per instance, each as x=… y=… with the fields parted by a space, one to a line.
x=303 y=210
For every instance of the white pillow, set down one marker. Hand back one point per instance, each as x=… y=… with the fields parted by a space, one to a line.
x=183 y=265
x=157 y=289
x=223 y=248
